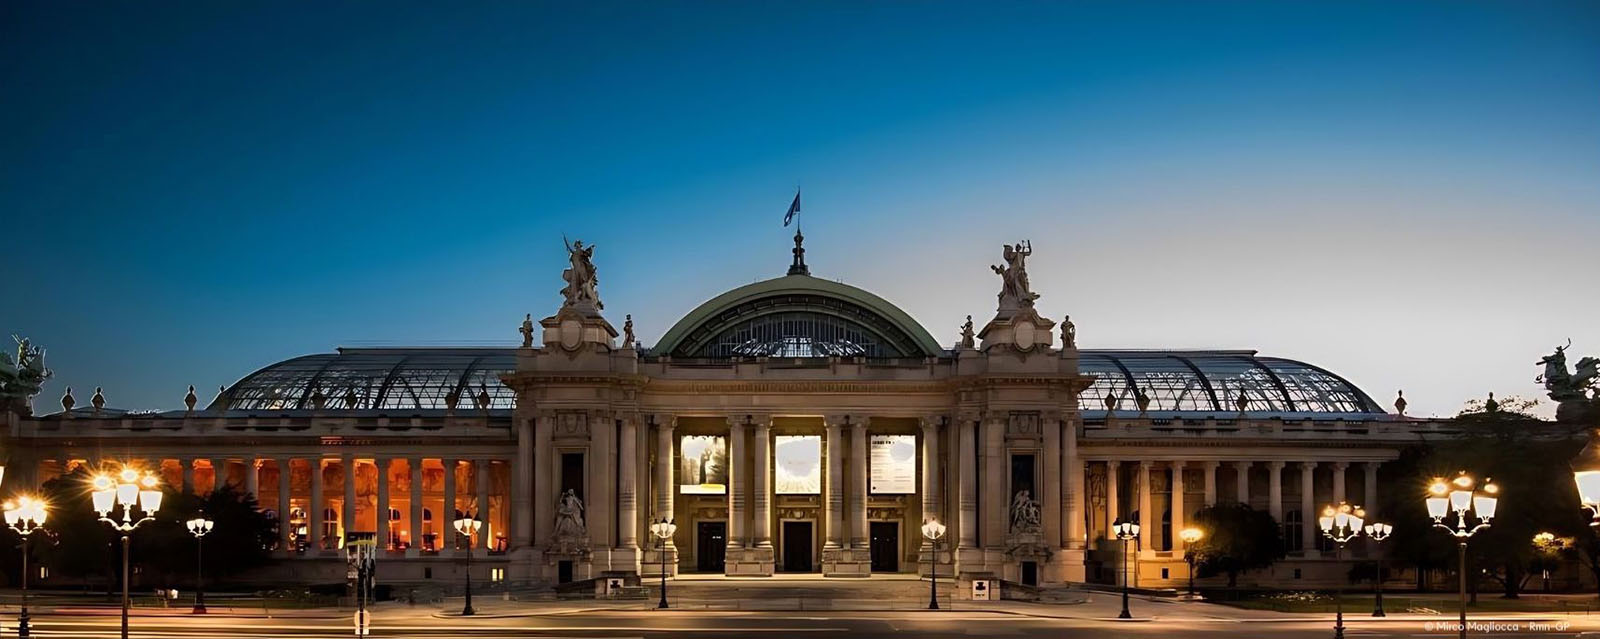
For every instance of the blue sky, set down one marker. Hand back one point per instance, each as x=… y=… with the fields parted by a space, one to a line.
x=1405 y=193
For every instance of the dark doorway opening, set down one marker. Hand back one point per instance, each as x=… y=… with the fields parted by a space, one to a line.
x=797 y=546
x=885 y=546
x=1030 y=573
x=571 y=475
x=564 y=571
x=1022 y=477
x=711 y=546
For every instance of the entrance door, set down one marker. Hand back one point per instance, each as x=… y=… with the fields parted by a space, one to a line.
x=885 y=546
x=711 y=546
x=797 y=546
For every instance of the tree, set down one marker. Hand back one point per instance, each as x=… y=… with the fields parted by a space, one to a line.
x=1237 y=538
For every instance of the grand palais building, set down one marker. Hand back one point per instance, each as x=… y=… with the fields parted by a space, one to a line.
x=792 y=425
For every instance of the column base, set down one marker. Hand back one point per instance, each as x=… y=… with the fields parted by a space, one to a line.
x=749 y=562
x=1067 y=566
x=846 y=562
x=650 y=565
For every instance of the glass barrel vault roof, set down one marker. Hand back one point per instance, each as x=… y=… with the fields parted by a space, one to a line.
x=411 y=379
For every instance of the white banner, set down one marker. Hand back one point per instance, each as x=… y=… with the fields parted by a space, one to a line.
x=894 y=464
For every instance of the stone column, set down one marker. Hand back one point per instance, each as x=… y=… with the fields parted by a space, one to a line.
x=833 y=502
x=1370 y=487
x=628 y=488
x=969 y=485
x=314 y=518
x=1049 y=494
x=445 y=522
x=858 y=483
x=1275 y=490
x=1075 y=498
x=1113 y=506
x=480 y=486
x=285 y=531
x=1242 y=481
x=522 y=489
x=1211 y=483
x=347 y=514
x=601 y=502
x=252 y=476
x=382 y=517
x=188 y=476
x=736 y=469
x=760 y=482
x=995 y=499
x=1308 y=508
x=414 y=479
x=930 y=475
x=546 y=484
x=665 y=467
x=1175 y=502
x=1338 y=481
x=219 y=473
x=1146 y=519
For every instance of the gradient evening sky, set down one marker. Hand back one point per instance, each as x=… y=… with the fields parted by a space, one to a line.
x=1407 y=194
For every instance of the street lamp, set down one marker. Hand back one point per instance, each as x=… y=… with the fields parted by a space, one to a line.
x=1459 y=497
x=1341 y=524
x=1189 y=536
x=1377 y=532
x=139 y=497
x=467 y=526
x=1586 y=474
x=934 y=531
x=1126 y=531
x=25 y=515
x=663 y=530
x=199 y=527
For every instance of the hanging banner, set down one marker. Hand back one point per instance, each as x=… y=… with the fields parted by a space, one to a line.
x=799 y=464
x=703 y=465
x=894 y=464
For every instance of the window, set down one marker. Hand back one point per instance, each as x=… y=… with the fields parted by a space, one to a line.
x=497 y=575
x=1291 y=531
x=330 y=528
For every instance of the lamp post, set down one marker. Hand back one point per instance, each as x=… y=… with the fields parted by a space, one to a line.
x=138 y=495
x=467 y=526
x=1377 y=532
x=1126 y=531
x=199 y=527
x=663 y=530
x=1190 y=536
x=934 y=531
x=1459 y=497
x=1340 y=523
x=1586 y=474
x=25 y=515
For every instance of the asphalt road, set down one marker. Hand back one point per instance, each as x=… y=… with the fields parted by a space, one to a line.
x=683 y=624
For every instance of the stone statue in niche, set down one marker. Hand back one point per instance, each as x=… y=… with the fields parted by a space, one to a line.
x=1024 y=513
x=569 y=519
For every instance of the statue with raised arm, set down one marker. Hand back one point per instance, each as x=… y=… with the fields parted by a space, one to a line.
x=569 y=520
x=581 y=290
x=1014 y=291
x=1024 y=513
x=1576 y=393
x=21 y=379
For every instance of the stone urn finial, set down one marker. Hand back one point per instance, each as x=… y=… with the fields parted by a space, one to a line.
x=189 y=400
x=1111 y=402
x=98 y=401
x=483 y=397
x=1400 y=403
x=67 y=402
x=319 y=401
x=1143 y=400
x=451 y=400
x=350 y=398
x=1243 y=402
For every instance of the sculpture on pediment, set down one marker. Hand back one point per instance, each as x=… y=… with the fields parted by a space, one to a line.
x=581 y=290
x=1014 y=290
x=1576 y=393
x=21 y=379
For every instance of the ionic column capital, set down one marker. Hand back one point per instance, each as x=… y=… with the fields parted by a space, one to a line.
x=1277 y=465
x=1341 y=465
x=1176 y=464
x=1211 y=465
x=845 y=419
x=931 y=422
x=664 y=421
x=1308 y=466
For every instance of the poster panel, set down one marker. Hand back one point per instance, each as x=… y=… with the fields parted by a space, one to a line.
x=799 y=464
x=703 y=465
x=894 y=464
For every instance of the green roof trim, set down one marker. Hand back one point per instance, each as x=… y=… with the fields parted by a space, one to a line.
x=789 y=284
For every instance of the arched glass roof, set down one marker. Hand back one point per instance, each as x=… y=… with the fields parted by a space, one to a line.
x=1211 y=381
x=409 y=379
x=397 y=379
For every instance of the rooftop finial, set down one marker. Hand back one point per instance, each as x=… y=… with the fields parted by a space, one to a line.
x=799 y=267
